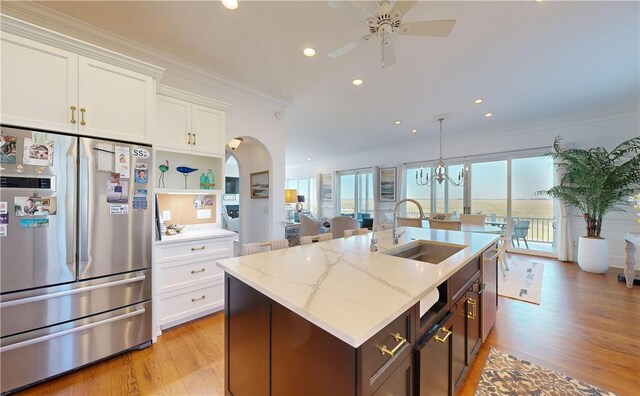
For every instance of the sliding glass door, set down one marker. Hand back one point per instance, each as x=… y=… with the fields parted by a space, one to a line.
x=500 y=188
x=355 y=194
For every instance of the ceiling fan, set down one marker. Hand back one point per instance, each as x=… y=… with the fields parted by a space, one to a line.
x=384 y=18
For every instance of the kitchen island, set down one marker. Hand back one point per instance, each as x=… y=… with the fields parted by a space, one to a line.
x=335 y=318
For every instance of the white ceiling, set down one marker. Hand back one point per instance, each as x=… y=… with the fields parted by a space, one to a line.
x=531 y=62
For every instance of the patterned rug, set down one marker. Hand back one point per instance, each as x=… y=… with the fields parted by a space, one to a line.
x=522 y=282
x=506 y=375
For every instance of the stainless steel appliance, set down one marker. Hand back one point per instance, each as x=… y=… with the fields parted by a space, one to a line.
x=76 y=274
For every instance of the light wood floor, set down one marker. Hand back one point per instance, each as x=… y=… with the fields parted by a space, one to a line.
x=587 y=326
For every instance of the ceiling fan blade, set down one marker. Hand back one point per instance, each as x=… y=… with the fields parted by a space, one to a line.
x=427 y=28
x=360 y=10
x=403 y=6
x=346 y=48
x=388 y=53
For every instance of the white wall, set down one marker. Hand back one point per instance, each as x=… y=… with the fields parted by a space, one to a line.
x=607 y=130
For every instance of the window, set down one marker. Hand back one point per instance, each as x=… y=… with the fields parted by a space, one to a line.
x=355 y=193
x=307 y=188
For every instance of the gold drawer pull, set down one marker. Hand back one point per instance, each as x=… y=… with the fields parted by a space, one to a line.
x=473 y=314
x=447 y=332
x=197 y=299
x=200 y=248
x=73 y=114
x=401 y=342
x=189 y=133
x=82 y=111
x=194 y=139
x=196 y=271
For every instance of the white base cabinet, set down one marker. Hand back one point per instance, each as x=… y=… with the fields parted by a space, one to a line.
x=188 y=284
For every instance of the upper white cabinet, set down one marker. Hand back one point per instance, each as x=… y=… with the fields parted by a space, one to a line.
x=74 y=87
x=189 y=123
x=39 y=84
x=115 y=102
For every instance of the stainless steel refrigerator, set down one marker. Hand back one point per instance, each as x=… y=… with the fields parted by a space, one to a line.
x=75 y=261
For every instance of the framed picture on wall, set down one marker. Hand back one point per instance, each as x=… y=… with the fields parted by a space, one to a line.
x=387 y=181
x=260 y=185
x=327 y=187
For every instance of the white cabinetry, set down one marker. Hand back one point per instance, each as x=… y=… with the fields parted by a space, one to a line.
x=189 y=123
x=188 y=284
x=39 y=84
x=50 y=81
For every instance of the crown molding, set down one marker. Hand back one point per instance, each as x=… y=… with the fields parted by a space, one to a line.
x=189 y=97
x=42 y=16
x=27 y=30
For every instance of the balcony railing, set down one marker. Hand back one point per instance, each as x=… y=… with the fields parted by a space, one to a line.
x=541 y=229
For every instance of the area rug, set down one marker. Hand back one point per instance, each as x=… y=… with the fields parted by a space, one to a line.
x=522 y=282
x=504 y=374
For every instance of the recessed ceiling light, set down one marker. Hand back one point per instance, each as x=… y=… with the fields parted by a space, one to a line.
x=308 y=159
x=488 y=115
x=397 y=122
x=309 y=52
x=230 y=4
x=357 y=82
x=414 y=131
x=478 y=101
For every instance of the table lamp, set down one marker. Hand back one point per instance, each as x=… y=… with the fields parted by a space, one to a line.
x=290 y=197
x=299 y=205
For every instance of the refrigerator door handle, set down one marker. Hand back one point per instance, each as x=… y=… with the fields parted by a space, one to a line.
x=83 y=210
x=70 y=221
x=70 y=331
x=70 y=292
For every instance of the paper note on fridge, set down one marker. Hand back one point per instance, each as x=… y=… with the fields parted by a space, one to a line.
x=122 y=163
x=118 y=209
x=104 y=157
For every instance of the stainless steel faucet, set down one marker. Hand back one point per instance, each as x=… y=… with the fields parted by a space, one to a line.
x=396 y=236
x=374 y=241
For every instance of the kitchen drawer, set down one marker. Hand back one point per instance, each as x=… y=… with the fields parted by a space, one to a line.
x=181 y=250
x=460 y=281
x=175 y=275
x=187 y=303
x=397 y=340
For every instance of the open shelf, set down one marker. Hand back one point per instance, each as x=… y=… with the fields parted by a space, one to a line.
x=174 y=180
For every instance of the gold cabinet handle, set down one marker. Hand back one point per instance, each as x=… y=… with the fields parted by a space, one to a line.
x=447 y=334
x=401 y=341
x=73 y=114
x=189 y=134
x=82 y=111
x=194 y=139
x=200 y=248
x=196 y=271
x=474 y=313
x=198 y=299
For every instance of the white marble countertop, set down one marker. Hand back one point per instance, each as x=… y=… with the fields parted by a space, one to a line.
x=346 y=290
x=195 y=232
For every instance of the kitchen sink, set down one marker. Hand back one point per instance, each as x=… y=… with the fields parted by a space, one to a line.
x=426 y=251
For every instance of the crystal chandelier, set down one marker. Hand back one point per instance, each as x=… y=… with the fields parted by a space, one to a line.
x=440 y=171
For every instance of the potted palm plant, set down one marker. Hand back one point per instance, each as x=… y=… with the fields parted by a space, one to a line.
x=596 y=181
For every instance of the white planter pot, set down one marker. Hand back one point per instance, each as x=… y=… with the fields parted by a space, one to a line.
x=593 y=255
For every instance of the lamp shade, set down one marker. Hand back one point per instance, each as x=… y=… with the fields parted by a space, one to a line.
x=290 y=196
x=300 y=198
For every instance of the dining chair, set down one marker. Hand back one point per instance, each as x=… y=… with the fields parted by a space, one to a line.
x=308 y=240
x=472 y=219
x=503 y=243
x=408 y=221
x=254 y=247
x=278 y=244
x=520 y=231
x=445 y=225
x=359 y=231
x=341 y=223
